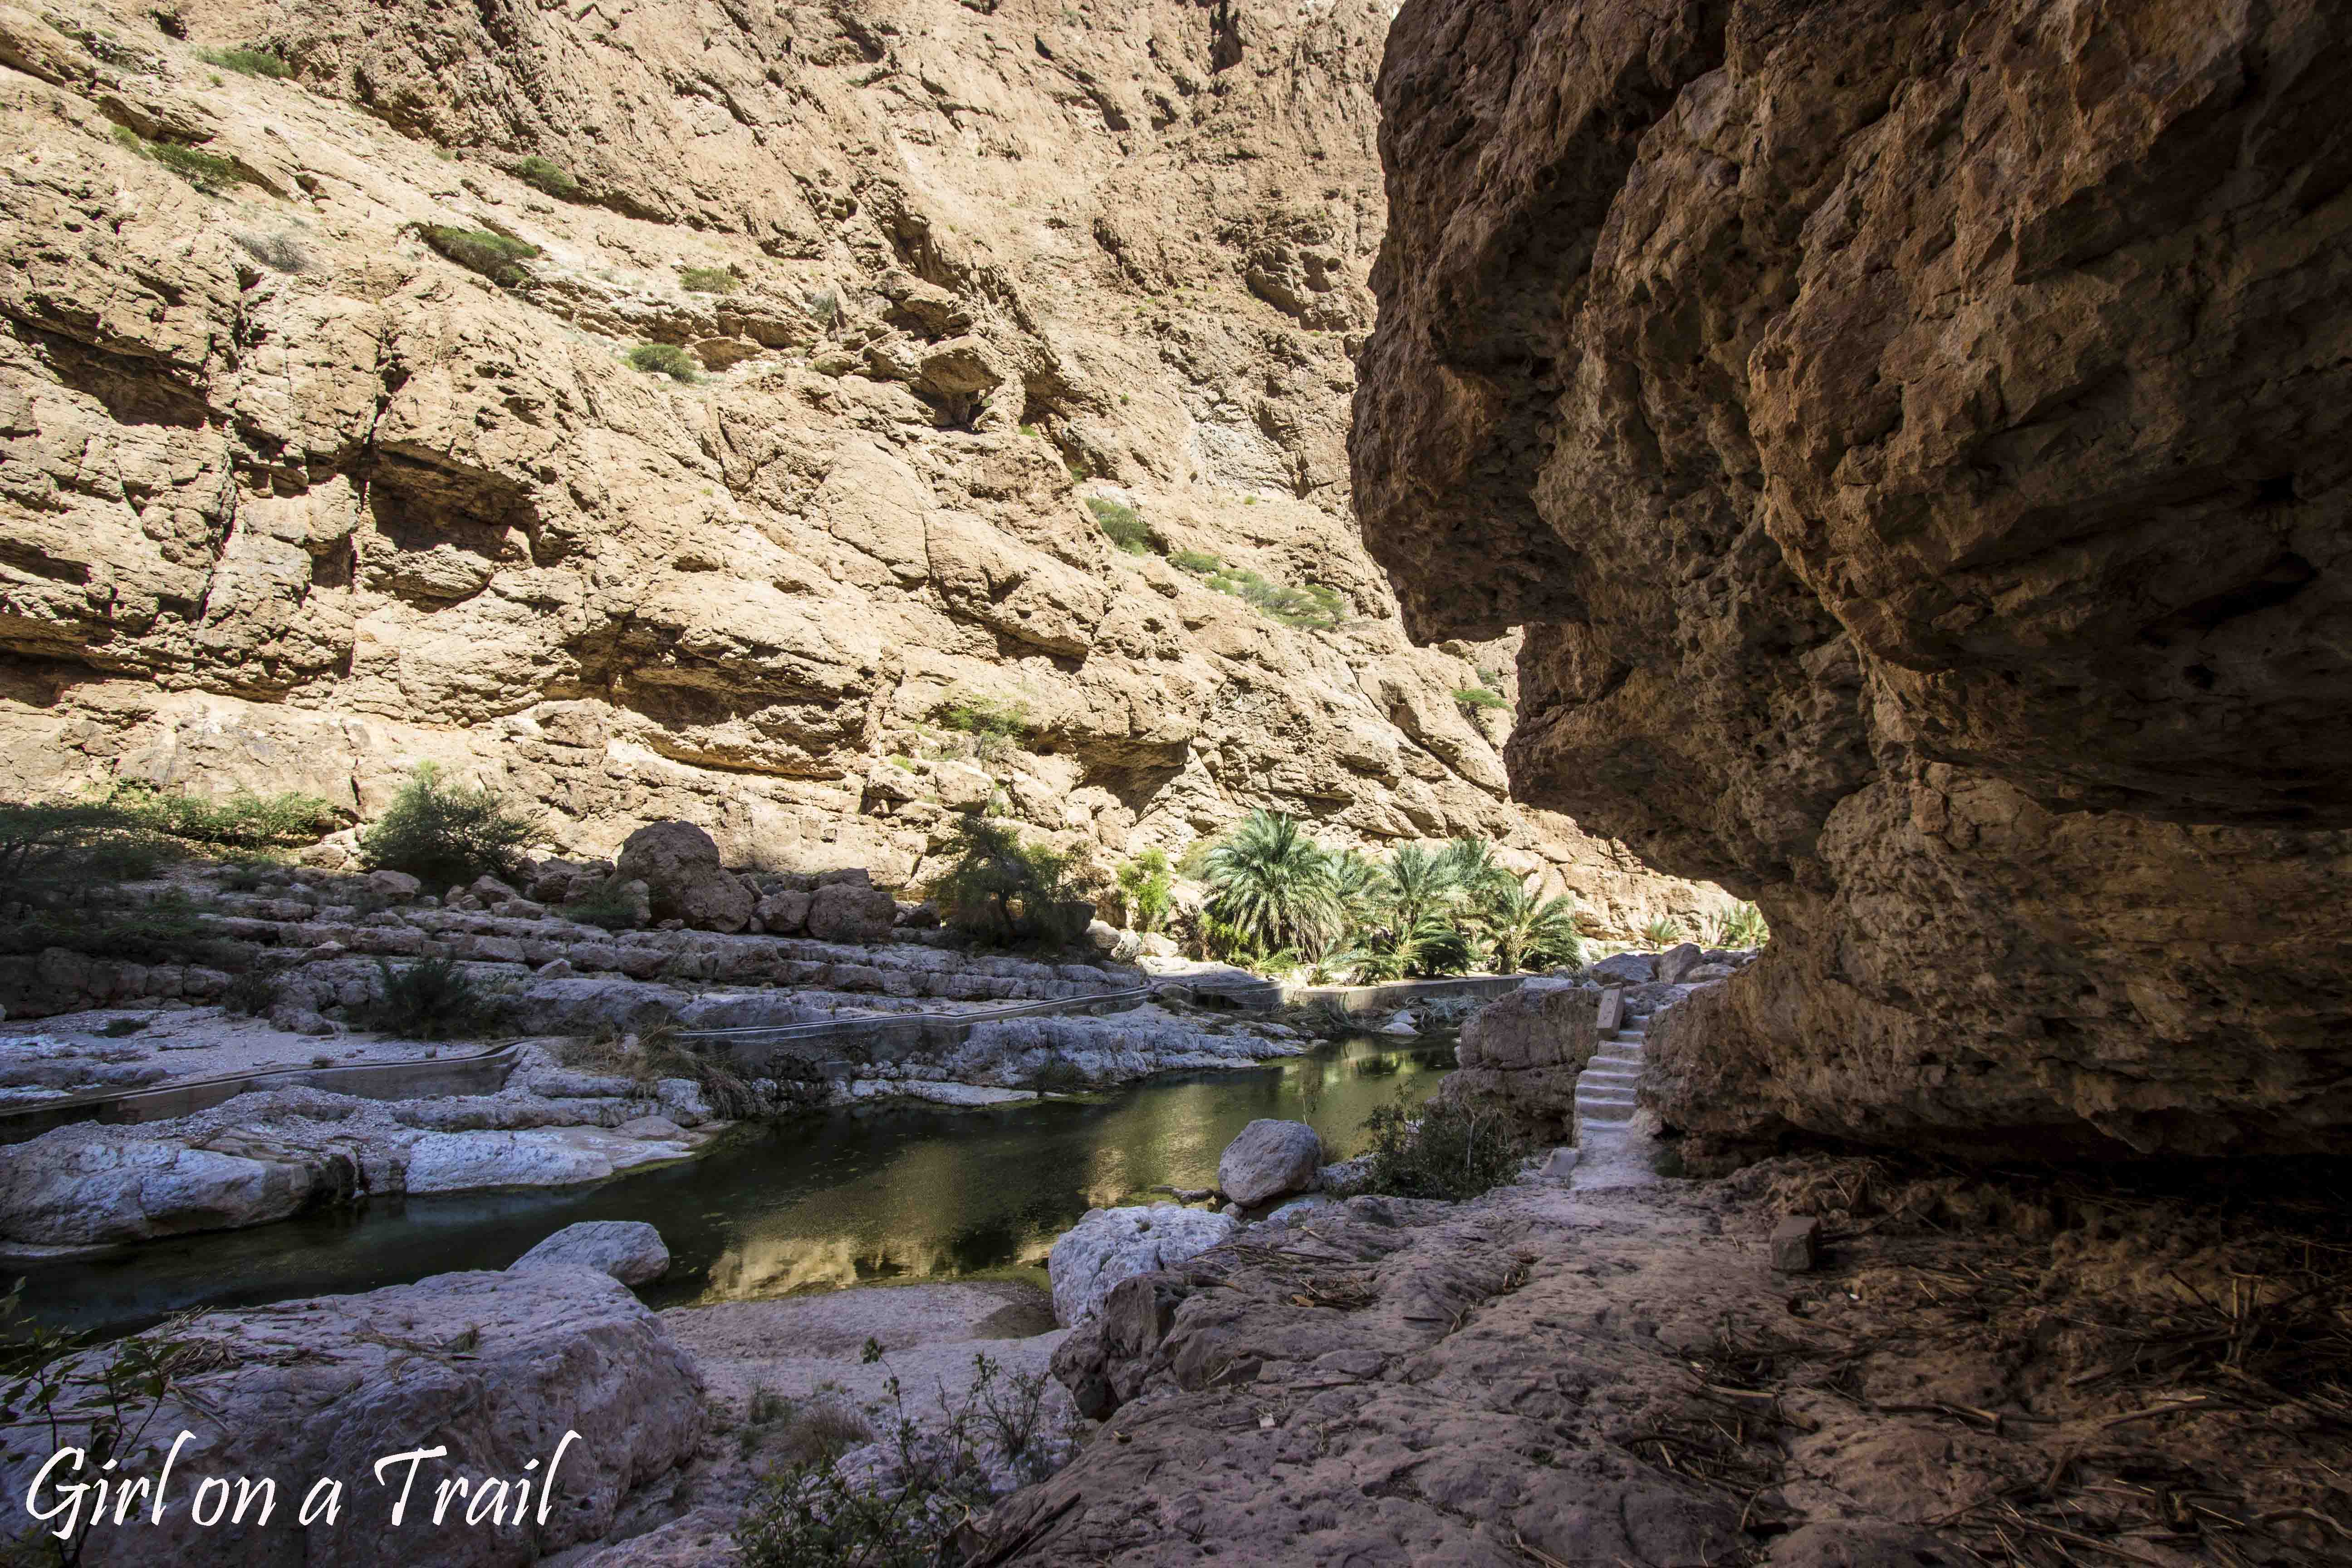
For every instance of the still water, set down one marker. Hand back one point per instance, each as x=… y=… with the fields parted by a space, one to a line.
x=808 y=1204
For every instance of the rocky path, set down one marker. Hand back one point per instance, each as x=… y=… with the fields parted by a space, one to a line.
x=1616 y=1148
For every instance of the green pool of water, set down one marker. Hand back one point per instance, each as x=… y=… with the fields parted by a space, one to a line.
x=814 y=1202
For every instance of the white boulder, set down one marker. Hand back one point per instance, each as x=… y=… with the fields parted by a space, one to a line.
x=1111 y=1245
x=629 y=1250
x=1269 y=1160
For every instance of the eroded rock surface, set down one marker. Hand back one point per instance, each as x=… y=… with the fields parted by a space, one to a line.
x=298 y=498
x=1914 y=439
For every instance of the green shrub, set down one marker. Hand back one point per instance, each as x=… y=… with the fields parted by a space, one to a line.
x=1744 y=927
x=826 y=306
x=1472 y=699
x=1003 y=892
x=607 y=907
x=550 y=177
x=247 y=62
x=1313 y=607
x=1663 y=933
x=1124 y=526
x=1199 y=562
x=995 y=727
x=1453 y=1146
x=253 y=993
x=47 y=851
x=665 y=359
x=206 y=171
x=431 y=999
x=1148 y=886
x=497 y=256
x=244 y=820
x=446 y=834
x=279 y=252
x=710 y=279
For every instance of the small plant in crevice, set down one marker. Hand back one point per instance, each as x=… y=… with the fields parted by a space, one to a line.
x=1125 y=527
x=710 y=279
x=826 y=306
x=665 y=359
x=430 y=999
x=1664 y=931
x=497 y=256
x=281 y=252
x=1474 y=700
x=247 y=62
x=996 y=726
x=1198 y=562
x=208 y=172
x=545 y=175
x=1147 y=887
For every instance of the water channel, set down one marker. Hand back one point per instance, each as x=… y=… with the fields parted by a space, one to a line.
x=851 y=1197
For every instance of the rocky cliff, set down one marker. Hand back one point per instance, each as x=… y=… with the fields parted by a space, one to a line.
x=721 y=414
x=1914 y=437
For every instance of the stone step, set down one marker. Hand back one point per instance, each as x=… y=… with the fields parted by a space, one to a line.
x=1609 y=1057
x=1603 y=1115
x=1589 y=1098
x=1609 y=1076
x=1632 y=1034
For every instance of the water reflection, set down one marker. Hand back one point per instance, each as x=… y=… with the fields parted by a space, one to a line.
x=873 y=1196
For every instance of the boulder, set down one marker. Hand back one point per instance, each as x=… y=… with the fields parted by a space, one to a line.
x=1527 y=1047
x=629 y=1250
x=851 y=911
x=1677 y=961
x=784 y=913
x=1627 y=969
x=678 y=864
x=397 y=886
x=78 y=1186
x=1111 y=1245
x=495 y=1367
x=1269 y=1160
x=492 y=891
x=551 y=881
x=1102 y=936
x=923 y=916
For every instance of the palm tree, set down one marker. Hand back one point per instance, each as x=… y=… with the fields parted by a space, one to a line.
x=1525 y=927
x=1271 y=886
x=1471 y=864
x=1415 y=885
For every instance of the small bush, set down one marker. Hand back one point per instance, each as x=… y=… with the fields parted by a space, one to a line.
x=1147 y=887
x=1312 y=608
x=1473 y=699
x=207 y=172
x=665 y=359
x=247 y=62
x=252 y=993
x=245 y=873
x=1003 y=892
x=497 y=256
x=1199 y=562
x=445 y=835
x=1744 y=927
x=995 y=727
x=607 y=907
x=431 y=999
x=1124 y=526
x=279 y=252
x=1663 y=933
x=826 y=306
x=710 y=279
x=1453 y=1146
x=244 y=820
x=542 y=174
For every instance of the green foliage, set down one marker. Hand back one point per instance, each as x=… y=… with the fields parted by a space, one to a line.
x=431 y=999
x=826 y=306
x=1314 y=607
x=1453 y=1146
x=1473 y=698
x=1270 y=886
x=280 y=252
x=445 y=835
x=1125 y=527
x=1003 y=892
x=1744 y=926
x=242 y=820
x=995 y=726
x=606 y=906
x=543 y=175
x=710 y=279
x=1197 y=562
x=253 y=993
x=1530 y=932
x=49 y=852
x=665 y=359
x=247 y=62
x=1663 y=933
x=497 y=256
x=1147 y=887
x=207 y=172
x=65 y=1392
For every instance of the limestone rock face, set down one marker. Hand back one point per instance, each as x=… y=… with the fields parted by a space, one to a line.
x=678 y=864
x=1111 y=1245
x=494 y=1366
x=1914 y=439
x=1270 y=1159
x=296 y=501
x=629 y=1250
x=1528 y=1046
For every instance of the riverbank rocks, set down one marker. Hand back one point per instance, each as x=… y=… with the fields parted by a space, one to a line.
x=1269 y=1160
x=629 y=1250
x=1527 y=1047
x=846 y=908
x=1111 y=1245
x=495 y=1367
x=678 y=864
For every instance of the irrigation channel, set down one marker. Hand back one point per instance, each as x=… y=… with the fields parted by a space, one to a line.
x=861 y=1196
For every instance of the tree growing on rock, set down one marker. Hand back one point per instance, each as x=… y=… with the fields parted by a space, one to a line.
x=1004 y=893
x=445 y=835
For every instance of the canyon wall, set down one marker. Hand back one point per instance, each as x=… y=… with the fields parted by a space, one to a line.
x=1914 y=437
x=326 y=454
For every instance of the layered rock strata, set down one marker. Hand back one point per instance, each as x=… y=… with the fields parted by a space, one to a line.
x=1913 y=438
x=722 y=416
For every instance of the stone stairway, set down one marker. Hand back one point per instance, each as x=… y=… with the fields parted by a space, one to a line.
x=1604 y=1101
